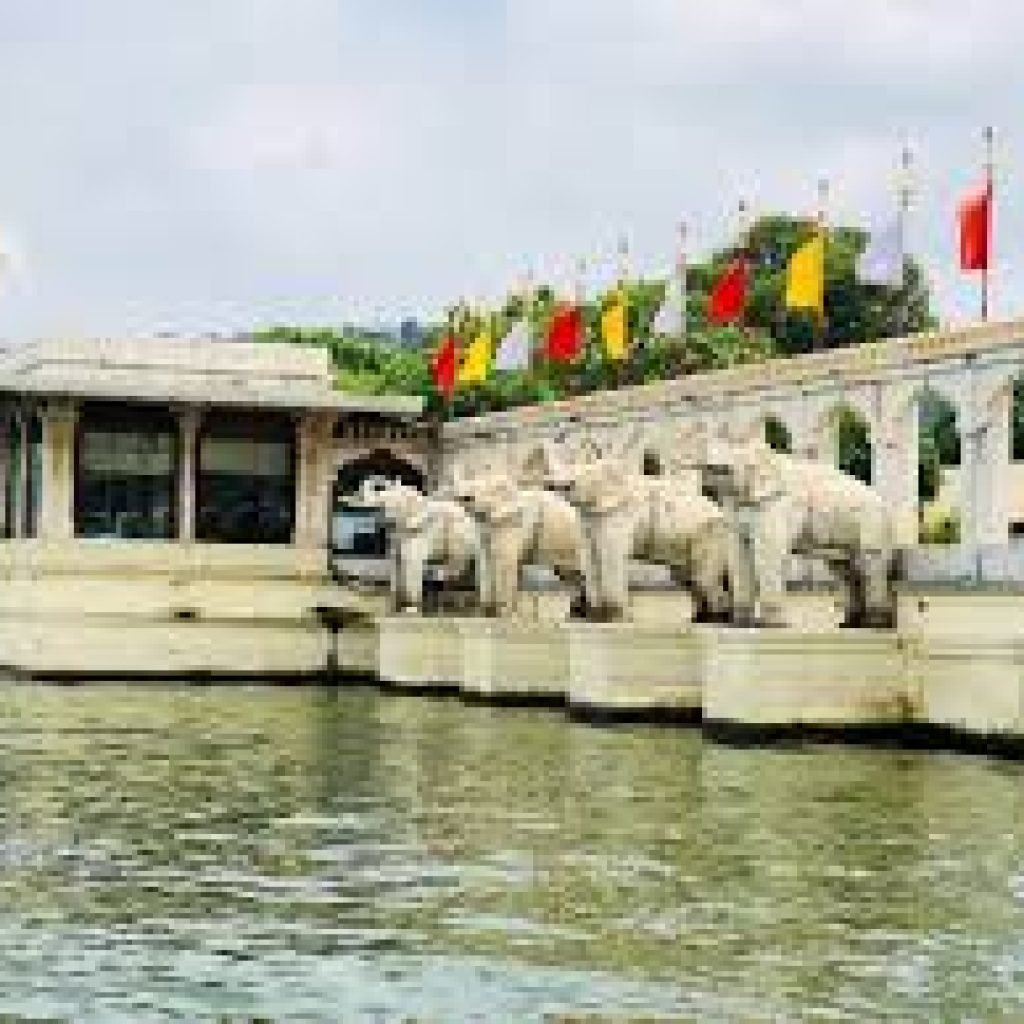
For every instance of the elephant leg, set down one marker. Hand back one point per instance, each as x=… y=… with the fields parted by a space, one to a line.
x=612 y=559
x=851 y=575
x=711 y=573
x=485 y=580
x=876 y=589
x=504 y=578
x=771 y=550
x=591 y=567
x=408 y=589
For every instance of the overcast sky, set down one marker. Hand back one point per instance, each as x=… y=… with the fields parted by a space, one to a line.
x=215 y=164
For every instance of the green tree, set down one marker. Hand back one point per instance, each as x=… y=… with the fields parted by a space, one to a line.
x=854 y=312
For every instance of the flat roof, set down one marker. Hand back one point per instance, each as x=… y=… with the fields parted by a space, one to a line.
x=189 y=371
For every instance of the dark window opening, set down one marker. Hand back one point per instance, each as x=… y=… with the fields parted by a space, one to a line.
x=245 y=488
x=126 y=465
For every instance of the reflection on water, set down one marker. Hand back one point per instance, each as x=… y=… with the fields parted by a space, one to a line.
x=204 y=854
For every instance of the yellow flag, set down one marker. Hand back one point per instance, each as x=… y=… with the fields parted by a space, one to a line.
x=805 y=276
x=477 y=361
x=615 y=327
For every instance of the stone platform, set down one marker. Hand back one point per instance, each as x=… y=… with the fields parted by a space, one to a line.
x=627 y=670
x=951 y=675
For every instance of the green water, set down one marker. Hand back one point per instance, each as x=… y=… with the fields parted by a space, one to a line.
x=221 y=854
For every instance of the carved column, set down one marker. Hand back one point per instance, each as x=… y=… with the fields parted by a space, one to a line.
x=313 y=479
x=56 y=494
x=20 y=469
x=5 y=469
x=895 y=460
x=991 y=497
x=189 y=421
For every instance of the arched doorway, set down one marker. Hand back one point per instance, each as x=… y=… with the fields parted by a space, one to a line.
x=358 y=532
x=380 y=464
x=777 y=435
x=854 y=452
x=939 y=483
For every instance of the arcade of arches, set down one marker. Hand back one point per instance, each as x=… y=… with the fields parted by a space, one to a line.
x=934 y=422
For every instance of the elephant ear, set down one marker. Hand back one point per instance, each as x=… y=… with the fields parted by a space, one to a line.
x=370 y=492
x=587 y=451
x=541 y=463
x=628 y=447
x=689 y=448
x=758 y=470
x=412 y=509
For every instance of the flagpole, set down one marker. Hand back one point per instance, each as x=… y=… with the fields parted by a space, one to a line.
x=743 y=217
x=446 y=399
x=905 y=195
x=681 y=270
x=989 y=136
x=580 y=298
x=821 y=220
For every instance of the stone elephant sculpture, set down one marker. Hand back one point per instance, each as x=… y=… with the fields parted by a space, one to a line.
x=794 y=505
x=665 y=520
x=518 y=524
x=424 y=530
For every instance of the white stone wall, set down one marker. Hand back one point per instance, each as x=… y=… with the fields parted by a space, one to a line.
x=974 y=369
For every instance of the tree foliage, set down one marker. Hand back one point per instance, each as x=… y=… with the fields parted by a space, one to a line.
x=855 y=312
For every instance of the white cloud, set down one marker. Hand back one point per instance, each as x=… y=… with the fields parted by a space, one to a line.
x=215 y=165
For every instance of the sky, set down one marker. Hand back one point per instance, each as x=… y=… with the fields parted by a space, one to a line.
x=216 y=165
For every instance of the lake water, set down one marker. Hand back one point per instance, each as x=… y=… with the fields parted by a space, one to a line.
x=298 y=854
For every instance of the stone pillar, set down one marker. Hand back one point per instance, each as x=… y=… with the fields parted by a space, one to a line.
x=5 y=469
x=189 y=421
x=20 y=470
x=57 y=492
x=314 y=467
x=895 y=461
x=991 y=445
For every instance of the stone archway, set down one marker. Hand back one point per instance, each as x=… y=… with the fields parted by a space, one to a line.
x=358 y=532
x=941 y=487
x=777 y=435
x=844 y=438
x=381 y=463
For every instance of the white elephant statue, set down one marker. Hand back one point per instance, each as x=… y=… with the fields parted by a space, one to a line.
x=792 y=505
x=518 y=524
x=664 y=520
x=424 y=530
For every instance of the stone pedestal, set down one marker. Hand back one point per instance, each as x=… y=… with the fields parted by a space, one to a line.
x=814 y=610
x=514 y=660
x=792 y=678
x=627 y=669
x=356 y=653
x=543 y=606
x=661 y=609
x=419 y=653
x=967 y=655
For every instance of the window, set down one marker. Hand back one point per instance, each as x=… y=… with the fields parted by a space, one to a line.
x=125 y=473
x=246 y=479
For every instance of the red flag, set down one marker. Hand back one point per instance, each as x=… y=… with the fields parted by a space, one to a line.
x=974 y=217
x=729 y=295
x=443 y=366
x=564 y=340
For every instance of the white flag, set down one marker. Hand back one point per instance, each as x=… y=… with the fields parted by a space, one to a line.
x=514 y=351
x=881 y=262
x=671 y=316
